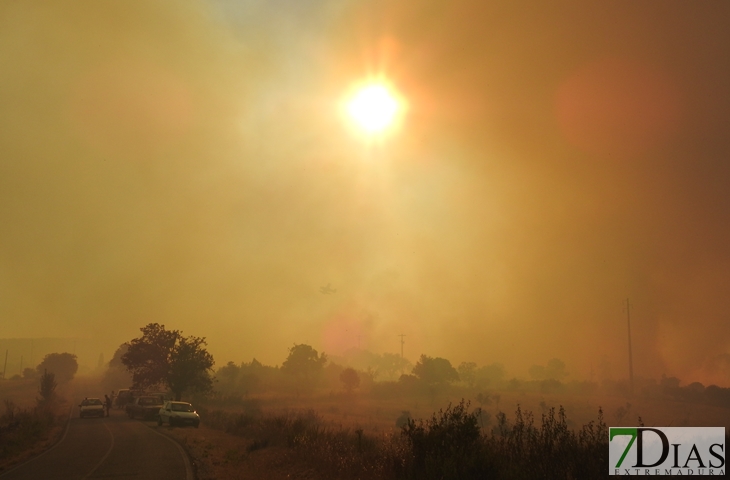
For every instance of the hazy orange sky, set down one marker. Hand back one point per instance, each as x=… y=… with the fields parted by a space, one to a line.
x=188 y=163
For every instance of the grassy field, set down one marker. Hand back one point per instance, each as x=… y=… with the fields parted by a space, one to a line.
x=364 y=435
x=336 y=435
x=378 y=415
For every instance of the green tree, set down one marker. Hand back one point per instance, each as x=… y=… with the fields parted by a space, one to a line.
x=435 y=371
x=303 y=362
x=63 y=365
x=165 y=358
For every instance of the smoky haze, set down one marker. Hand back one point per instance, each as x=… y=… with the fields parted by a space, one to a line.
x=188 y=163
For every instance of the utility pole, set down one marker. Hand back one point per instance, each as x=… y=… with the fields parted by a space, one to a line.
x=402 y=342
x=5 y=368
x=631 y=359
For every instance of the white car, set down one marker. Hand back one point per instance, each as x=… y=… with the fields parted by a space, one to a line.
x=91 y=407
x=178 y=413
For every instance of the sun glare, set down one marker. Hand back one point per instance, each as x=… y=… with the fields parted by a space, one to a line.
x=374 y=108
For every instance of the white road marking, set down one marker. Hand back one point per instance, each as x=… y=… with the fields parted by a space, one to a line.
x=186 y=460
x=65 y=432
x=111 y=447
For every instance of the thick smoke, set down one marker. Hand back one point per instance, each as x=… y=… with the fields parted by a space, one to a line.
x=188 y=163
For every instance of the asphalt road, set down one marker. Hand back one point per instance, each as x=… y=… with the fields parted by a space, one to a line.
x=115 y=447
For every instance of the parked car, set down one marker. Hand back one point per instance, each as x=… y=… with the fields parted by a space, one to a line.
x=123 y=397
x=146 y=406
x=91 y=407
x=178 y=413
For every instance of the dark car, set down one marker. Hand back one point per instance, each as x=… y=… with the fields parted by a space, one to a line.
x=147 y=406
x=123 y=397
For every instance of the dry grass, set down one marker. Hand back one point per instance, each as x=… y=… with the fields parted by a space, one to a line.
x=334 y=435
x=27 y=426
x=217 y=455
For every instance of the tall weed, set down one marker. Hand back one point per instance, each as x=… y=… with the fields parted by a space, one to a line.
x=449 y=445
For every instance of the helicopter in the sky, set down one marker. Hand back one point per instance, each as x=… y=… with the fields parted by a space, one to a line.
x=327 y=290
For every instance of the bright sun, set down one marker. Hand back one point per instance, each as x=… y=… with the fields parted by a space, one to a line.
x=374 y=108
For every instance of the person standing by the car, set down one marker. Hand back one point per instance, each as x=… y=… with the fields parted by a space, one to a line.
x=107 y=404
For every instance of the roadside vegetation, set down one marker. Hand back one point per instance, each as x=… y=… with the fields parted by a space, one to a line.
x=27 y=429
x=343 y=417
x=449 y=445
x=371 y=416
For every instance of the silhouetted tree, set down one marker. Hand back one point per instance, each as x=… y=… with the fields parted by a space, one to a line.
x=190 y=367
x=435 y=371
x=47 y=389
x=484 y=399
x=489 y=375
x=62 y=365
x=165 y=358
x=303 y=362
x=554 y=370
x=116 y=375
x=392 y=365
x=467 y=373
x=227 y=377
x=350 y=378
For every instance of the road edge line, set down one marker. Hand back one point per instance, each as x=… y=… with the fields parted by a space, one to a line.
x=186 y=458
x=111 y=447
x=63 y=437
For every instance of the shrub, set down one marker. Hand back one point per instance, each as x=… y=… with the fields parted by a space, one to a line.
x=449 y=445
x=403 y=419
x=20 y=429
x=446 y=446
x=47 y=389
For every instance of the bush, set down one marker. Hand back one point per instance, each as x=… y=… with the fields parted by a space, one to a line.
x=449 y=445
x=21 y=429
x=47 y=389
x=551 y=451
